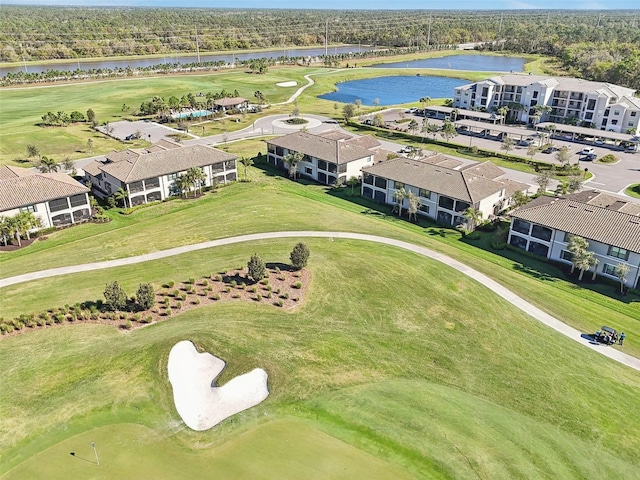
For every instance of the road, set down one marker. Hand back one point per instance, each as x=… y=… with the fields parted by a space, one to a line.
x=487 y=282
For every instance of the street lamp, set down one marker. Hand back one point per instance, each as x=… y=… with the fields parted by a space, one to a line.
x=96 y=452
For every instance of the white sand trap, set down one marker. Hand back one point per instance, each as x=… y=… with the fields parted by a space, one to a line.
x=199 y=403
x=287 y=84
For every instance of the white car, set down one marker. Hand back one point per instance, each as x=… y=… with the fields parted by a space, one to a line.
x=587 y=151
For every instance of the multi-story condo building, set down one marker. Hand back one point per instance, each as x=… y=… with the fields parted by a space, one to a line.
x=150 y=174
x=610 y=224
x=600 y=105
x=55 y=198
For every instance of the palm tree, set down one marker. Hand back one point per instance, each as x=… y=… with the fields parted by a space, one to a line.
x=584 y=262
x=507 y=144
x=352 y=182
x=576 y=246
x=32 y=150
x=292 y=160
x=13 y=229
x=432 y=129
x=246 y=162
x=48 y=165
x=398 y=197
x=473 y=216
x=183 y=183
x=503 y=111
x=413 y=126
x=454 y=113
x=121 y=195
x=5 y=229
x=26 y=221
x=196 y=178
x=448 y=130
x=413 y=205
x=621 y=271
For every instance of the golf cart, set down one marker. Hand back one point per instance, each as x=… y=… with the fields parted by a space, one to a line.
x=606 y=335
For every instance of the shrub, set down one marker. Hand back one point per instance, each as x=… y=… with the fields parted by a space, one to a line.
x=285 y=295
x=277 y=291
x=115 y=296
x=218 y=278
x=176 y=293
x=168 y=312
x=216 y=296
x=234 y=284
x=235 y=295
x=256 y=268
x=183 y=297
x=253 y=289
x=228 y=289
x=192 y=281
x=167 y=301
x=269 y=288
x=147 y=319
x=258 y=297
x=145 y=296
x=299 y=256
x=279 y=303
x=126 y=325
x=609 y=158
x=243 y=285
x=171 y=284
x=178 y=305
x=136 y=317
x=196 y=301
x=188 y=288
x=205 y=282
x=297 y=285
x=268 y=295
x=264 y=281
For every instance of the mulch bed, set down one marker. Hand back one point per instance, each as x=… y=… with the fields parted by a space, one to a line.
x=278 y=289
x=13 y=247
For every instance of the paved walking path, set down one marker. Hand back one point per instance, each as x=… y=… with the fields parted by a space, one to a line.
x=508 y=295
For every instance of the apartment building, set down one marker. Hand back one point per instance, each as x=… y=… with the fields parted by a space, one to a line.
x=600 y=105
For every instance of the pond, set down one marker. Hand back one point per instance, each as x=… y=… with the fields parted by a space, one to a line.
x=481 y=63
x=394 y=90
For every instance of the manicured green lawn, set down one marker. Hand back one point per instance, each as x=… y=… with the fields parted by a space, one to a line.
x=266 y=451
x=390 y=353
x=633 y=190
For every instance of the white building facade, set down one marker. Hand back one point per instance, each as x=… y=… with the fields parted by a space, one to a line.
x=545 y=226
x=603 y=106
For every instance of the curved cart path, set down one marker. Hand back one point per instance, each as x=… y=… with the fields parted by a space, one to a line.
x=508 y=295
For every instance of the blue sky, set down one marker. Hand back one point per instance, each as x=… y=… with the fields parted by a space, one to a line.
x=353 y=4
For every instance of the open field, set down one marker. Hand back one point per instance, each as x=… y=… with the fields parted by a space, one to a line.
x=392 y=354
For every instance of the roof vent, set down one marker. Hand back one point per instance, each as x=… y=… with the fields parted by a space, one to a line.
x=588 y=210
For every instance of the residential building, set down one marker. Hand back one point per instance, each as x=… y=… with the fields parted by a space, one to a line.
x=327 y=157
x=600 y=105
x=150 y=174
x=610 y=224
x=55 y=198
x=444 y=193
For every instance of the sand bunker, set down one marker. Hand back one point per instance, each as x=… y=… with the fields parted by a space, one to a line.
x=287 y=84
x=199 y=403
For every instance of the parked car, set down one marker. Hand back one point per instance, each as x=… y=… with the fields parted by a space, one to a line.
x=524 y=143
x=407 y=149
x=588 y=158
x=587 y=151
x=550 y=149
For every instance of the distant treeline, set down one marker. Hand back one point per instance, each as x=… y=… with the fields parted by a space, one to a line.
x=600 y=45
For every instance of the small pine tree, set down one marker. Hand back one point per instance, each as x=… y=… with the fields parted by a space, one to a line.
x=256 y=268
x=299 y=256
x=115 y=296
x=145 y=296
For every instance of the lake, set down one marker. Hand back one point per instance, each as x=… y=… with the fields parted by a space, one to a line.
x=81 y=64
x=394 y=90
x=482 y=63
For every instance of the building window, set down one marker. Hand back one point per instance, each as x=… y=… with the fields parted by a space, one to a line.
x=633 y=114
x=618 y=252
x=446 y=202
x=423 y=208
x=566 y=255
x=135 y=187
x=518 y=241
x=367 y=178
x=63 y=219
x=308 y=171
x=230 y=165
x=219 y=167
x=616 y=112
x=81 y=215
x=462 y=206
x=342 y=168
x=367 y=192
x=280 y=151
x=535 y=94
x=77 y=200
x=609 y=269
x=172 y=176
x=58 y=204
x=333 y=168
x=424 y=193
x=154 y=196
x=614 y=122
x=152 y=183
x=381 y=182
x=520 y=226
x=543 y=233
x=322 y=165
x=538 y=249
x=28 y=208
x=398 y=185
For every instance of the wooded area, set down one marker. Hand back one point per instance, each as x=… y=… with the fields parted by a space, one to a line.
x=595 y=45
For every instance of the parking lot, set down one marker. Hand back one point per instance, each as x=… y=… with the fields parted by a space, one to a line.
x=613 y=177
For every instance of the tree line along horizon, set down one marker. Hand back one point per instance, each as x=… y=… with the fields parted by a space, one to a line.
x=596 y=45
